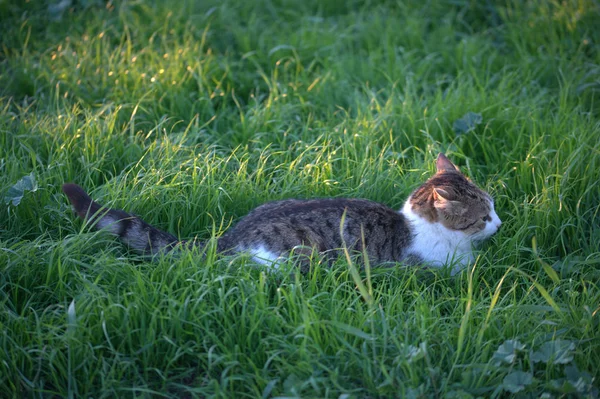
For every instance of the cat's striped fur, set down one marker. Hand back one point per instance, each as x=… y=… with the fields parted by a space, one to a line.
x=440 y=222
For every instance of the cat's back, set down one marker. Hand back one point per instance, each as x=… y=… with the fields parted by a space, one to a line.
x=296 y=210
x=282 y=225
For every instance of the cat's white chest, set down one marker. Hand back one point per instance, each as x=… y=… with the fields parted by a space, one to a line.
x=436 y=244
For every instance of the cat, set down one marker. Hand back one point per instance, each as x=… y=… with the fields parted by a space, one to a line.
x=439 y=224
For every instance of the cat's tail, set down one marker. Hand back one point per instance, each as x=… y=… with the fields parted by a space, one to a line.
x=132 y=230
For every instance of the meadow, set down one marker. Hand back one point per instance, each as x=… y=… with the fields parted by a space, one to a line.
x=191 y=113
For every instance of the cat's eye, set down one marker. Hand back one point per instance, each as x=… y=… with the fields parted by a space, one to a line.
x=487 y=218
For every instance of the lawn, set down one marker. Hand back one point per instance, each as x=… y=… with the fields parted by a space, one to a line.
x=191 y=113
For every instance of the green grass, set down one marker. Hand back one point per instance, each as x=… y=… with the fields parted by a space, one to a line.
x=192 y=113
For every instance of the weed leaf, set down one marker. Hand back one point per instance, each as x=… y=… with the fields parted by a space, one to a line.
x=71 y=317
x=541 y=290
x=581 y=381
x=547 y=268
x=517 y=381
x=269 y=388
x=556 y=352
x=15 y=193
x=57 y=10
x=416 y=353
x=460 y=394
x=351 y=330
x=281 y=47
x=467 y=123
x=290 y=383
x=507 y=352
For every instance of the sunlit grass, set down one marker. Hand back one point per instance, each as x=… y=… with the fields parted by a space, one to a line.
x=192 y=114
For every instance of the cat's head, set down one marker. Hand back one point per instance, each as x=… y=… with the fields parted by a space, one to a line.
x=451 y=199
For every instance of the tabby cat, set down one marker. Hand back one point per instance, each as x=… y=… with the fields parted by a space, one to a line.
x=438 y=224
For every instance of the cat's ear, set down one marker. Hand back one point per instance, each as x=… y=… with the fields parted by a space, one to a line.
x=442 y=200
x=443 y=164
x=439 y=194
